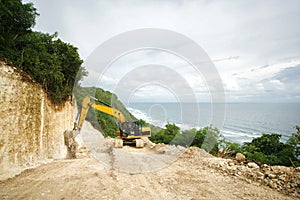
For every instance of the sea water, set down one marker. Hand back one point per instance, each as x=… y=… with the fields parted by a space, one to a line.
x=242 y=121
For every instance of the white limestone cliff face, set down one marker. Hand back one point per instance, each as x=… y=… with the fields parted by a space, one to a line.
x=31 y=127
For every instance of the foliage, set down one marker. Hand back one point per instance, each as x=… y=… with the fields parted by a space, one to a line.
x=266 y=149
x=270 y=150
x=166 y=135
x=143 y=122
x=294 y=141
x=207 y=138
x=16 y=20
x=51 y=62
x=185 y=137
x=231 y=148
x=267 y=144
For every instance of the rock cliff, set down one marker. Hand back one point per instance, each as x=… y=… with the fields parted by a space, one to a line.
x=31 y=127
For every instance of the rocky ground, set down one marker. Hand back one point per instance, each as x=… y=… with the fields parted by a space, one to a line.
x=283 y=179
x=154 y=172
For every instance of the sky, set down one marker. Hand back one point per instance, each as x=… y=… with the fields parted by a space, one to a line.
x=254 y=45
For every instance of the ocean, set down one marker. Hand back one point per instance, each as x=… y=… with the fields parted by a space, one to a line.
x=242 y=121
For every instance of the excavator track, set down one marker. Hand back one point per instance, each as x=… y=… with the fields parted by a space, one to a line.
x=118 y=143
x=139 y=143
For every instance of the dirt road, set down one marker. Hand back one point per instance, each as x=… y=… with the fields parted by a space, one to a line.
x=87 y=178
x=108 y=175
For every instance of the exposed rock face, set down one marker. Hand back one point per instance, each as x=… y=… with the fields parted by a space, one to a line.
x=31 y=127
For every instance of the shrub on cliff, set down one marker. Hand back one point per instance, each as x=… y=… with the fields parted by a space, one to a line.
x=51 y=62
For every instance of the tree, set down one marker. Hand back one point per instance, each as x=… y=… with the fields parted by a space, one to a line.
x=268 y=143
x=294 y=141
x=268 y=149
x=209 y=137
x=172 y=129
x=143 y=122
x=51 y=62
x=231 y=148
x=16 y=19
x=167 y=134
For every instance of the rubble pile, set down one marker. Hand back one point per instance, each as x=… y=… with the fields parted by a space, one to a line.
x=283 y=179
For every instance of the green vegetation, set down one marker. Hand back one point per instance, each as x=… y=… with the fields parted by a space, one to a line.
x=101 y=121
x=207 y=138
x=268 y=149
x=265 y=149
x=51 y=62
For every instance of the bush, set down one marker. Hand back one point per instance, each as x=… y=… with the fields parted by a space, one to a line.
x=166 y=135
x=268 y=149
x=206 y=138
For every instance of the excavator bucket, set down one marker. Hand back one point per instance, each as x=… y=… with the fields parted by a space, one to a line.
x=70 y=143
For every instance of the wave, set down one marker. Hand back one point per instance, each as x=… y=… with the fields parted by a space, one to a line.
x=238 y=137
x=234 y=135
x=238 y=126
x=141 y=115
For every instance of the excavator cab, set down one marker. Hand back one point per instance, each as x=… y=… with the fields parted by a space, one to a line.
x=131 y=128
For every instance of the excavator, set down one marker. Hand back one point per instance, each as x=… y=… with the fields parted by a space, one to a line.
x=130 y=132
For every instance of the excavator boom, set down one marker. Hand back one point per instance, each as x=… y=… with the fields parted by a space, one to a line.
x=103 y=107
x=110 y=111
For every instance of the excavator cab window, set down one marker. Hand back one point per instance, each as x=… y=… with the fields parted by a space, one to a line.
x=130 y=128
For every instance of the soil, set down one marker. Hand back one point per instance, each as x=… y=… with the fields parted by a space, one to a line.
x=153 y=172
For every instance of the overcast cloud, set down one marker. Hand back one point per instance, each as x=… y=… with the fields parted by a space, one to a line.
x=255 y=45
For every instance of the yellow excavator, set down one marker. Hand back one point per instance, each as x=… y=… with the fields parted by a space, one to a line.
x=130 y=132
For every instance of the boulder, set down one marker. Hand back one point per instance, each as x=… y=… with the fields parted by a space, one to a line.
x=240 y=157
x=272 y=176
x=253 y=165
x=260 y=175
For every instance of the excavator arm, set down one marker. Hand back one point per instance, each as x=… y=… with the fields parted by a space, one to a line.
x=85 y=106
x=103 y=107
x=110 y=111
